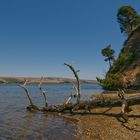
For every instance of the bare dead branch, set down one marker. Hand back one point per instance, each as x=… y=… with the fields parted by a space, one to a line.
x=25 y=82
x=26 y=91
x=73 y=94
x=43 y=92
x=68 y=100
x=75 y=90
x=31 y=106
x=77 y=80
x=125 y=106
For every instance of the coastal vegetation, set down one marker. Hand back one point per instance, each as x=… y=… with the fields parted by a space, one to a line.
x=108 y=53
x=124 y=71
x=128 y=19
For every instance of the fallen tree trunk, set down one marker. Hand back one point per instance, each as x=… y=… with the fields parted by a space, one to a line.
x=92 y=104
x=67 y=106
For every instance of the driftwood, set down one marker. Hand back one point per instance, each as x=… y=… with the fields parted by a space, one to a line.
x=95 y=104
x=43 y=92
x=67 y=106
x=77 y=80
x=73 y=95
x=31 y=106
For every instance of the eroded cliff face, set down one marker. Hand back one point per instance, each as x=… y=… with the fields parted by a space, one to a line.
x=127 y=66
x=132 y=71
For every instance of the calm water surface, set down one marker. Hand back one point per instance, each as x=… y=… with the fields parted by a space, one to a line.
x=16 y=123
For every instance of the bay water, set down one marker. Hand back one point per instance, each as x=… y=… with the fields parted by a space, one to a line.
x=16 y=123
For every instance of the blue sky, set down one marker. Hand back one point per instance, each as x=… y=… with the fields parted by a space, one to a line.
x=38 y=36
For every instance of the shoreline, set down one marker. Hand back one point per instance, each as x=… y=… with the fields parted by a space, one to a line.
x=102 y=123
x=97 y=126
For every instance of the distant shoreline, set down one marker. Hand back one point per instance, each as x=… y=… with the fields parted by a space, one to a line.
x=49 y=80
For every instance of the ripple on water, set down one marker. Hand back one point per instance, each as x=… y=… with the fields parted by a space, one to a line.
x=32 y=126
x=18 y=124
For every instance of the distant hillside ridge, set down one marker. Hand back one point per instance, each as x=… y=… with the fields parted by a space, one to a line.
x=44 y=80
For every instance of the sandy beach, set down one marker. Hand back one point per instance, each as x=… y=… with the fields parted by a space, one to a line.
x=106 y=127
